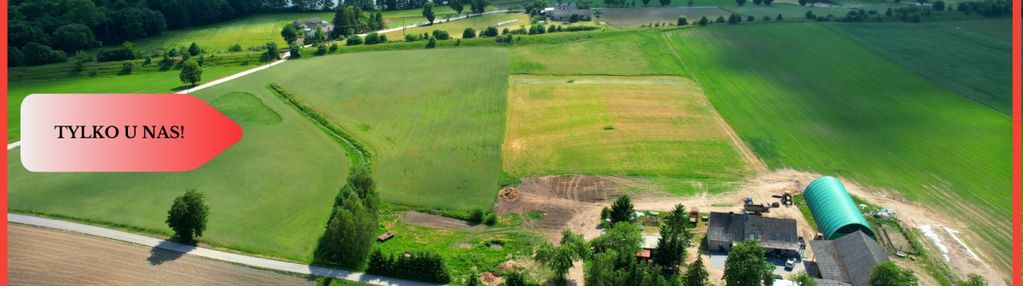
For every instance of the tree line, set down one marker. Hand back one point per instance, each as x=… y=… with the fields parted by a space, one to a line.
x=49 y=31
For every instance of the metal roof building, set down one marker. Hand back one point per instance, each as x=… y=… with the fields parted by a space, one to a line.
x=834 y=210
x=849 y=259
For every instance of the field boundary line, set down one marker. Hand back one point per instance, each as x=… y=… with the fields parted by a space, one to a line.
x=740 y=146
x=255 y=262
x=351 y=144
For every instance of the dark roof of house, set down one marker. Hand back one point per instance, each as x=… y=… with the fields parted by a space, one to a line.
x=828 y=282
x=313 y=22
x=849 y=258
x=772 y=233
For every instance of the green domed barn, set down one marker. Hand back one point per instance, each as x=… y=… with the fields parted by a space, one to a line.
x=834 y=210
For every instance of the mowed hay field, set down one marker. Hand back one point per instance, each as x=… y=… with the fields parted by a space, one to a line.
x=631 y=126
x=150 y=82
x=270 y=193
x=433 y=118
x=805 y=97
x=970 y=63
x=621 y=53
x=455 y=28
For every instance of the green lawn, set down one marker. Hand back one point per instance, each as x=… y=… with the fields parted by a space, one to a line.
x=433 y=118
x=635 y=17
x=972 y=64
x=806 y=97
x=270 y=193
x=640 y=52
x=148 y=82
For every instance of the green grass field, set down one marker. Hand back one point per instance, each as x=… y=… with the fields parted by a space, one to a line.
x=148 y=82
x=631 y=126
x=455 y=28
x=270 y=193
x=805 y=97
x=433 y=118
x=972 y=64
x=640 y=52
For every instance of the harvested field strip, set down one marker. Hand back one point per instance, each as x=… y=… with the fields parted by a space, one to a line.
x=632 y=126
x=48 y=257
x=870 y=120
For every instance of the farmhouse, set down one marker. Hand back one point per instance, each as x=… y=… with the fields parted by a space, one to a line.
x=564 y=12
x=649 y=245
x=308 y=26
x=848 y=259
x=776 y=235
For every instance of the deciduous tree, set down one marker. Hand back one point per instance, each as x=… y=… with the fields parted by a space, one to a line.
x=187 y=215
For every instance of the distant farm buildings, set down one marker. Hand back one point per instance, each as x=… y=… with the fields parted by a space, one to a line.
x=565 y=11
x=308 y=26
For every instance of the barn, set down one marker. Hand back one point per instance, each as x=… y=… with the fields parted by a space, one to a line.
x=834 y=210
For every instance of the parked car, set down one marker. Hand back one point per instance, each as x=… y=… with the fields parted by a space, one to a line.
x=791 y=263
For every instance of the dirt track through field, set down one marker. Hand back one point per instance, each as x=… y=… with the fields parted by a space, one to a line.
x=47 y=257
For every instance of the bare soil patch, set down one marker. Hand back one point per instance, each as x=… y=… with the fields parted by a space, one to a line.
x=47 y=257
x=566 y=202
x=436 y=221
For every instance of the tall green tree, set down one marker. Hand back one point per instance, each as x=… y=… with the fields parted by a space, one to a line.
x=622 y=237
x=560 y=259
x=187 y=215
x=889 y=274
x=191 y=72
x=194 y=49
x=457 y=5
x=622 y=210
x=746 y=264
x=350 y=231
x=74 y=37
x=289 y=33
x=696 y=274
x=478 y=6
x=428 y=12
x=676 y=236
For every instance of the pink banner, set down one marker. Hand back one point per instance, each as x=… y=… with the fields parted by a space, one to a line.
x=121 y=132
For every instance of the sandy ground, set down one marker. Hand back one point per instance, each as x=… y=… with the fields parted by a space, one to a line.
x=574 y=202
x=436 y=221
x=47 y=257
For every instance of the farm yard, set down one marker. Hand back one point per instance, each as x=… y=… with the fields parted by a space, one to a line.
x=540 y=134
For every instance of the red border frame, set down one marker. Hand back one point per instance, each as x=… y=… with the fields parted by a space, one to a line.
x=1017 y=252
x=3 y=132
x=1017 y=77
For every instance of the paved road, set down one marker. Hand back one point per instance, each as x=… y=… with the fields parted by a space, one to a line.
x=256 y=262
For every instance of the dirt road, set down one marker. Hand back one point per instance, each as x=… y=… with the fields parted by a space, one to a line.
x=40 y=256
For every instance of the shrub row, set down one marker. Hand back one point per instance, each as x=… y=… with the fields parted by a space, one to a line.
x=421 y=265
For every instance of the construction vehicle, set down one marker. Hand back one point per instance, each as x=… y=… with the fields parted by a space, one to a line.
x=786 y=199
x=749 y=207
